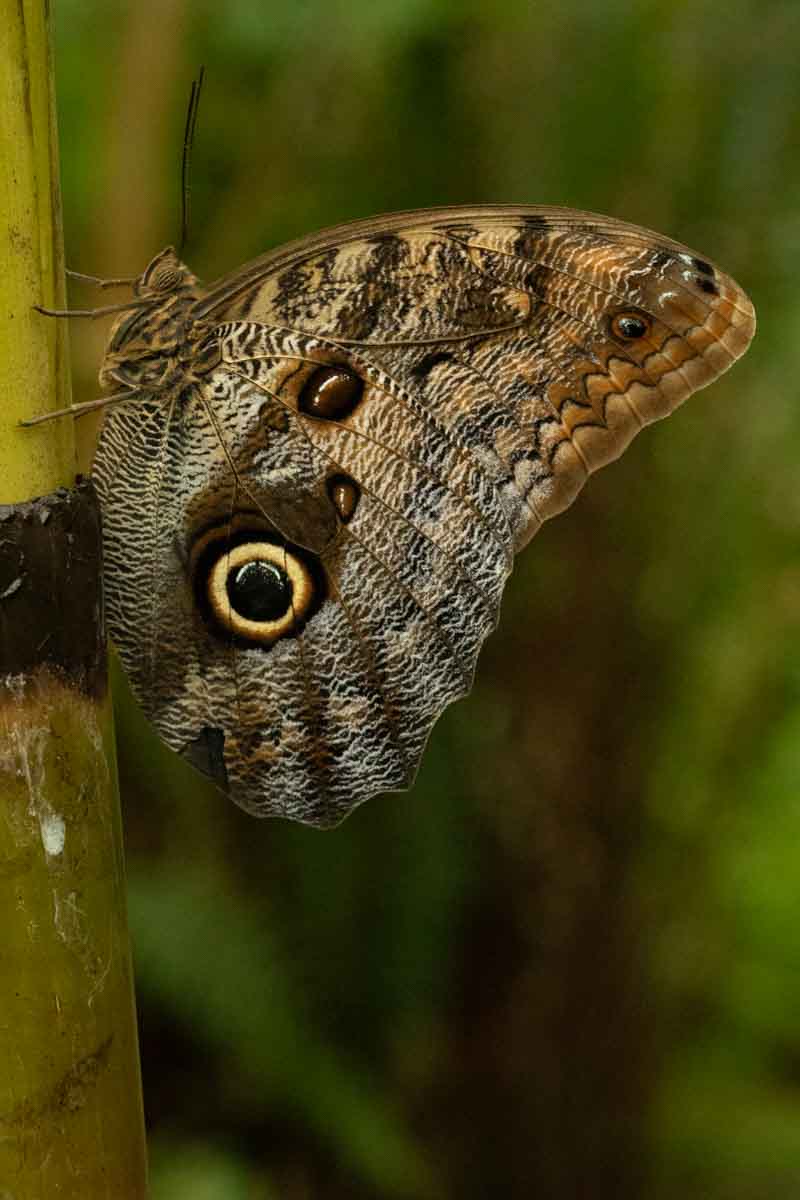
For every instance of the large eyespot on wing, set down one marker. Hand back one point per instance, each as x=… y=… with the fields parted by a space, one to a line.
x=323 y=697
x=252 y=587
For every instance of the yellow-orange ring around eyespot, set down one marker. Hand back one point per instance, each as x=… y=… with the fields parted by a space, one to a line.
x=259 y=631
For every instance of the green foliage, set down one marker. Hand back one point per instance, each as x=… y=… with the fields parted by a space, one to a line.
x=566 y=962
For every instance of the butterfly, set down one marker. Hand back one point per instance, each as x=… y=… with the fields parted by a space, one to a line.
x=316 y=472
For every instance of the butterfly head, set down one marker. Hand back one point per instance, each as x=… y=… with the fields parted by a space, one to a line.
x=164 y=275
x=148 y=341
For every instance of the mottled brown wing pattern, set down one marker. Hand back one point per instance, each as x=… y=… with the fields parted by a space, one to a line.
x=310 y=518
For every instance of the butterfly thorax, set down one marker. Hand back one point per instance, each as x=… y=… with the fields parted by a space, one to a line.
x=154 y=344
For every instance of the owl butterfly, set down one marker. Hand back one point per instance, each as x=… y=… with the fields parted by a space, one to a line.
x=315 y=473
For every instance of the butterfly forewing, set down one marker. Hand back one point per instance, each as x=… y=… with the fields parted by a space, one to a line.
x=310 y=523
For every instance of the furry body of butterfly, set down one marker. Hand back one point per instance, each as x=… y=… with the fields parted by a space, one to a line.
x=322 y=466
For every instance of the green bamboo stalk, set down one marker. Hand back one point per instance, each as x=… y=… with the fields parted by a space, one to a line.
x=71 y=1122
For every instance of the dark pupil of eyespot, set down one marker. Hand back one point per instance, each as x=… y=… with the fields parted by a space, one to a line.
x=631 y=327
x=259 y=591
x=331 y=393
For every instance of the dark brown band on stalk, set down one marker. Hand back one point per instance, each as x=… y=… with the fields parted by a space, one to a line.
x=50 y=588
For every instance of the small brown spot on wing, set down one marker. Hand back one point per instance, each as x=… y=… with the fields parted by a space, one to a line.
x=707 y=285
x=331 y=393
x=345 y=494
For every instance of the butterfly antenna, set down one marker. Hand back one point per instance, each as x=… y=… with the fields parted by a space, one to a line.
x=188 y=142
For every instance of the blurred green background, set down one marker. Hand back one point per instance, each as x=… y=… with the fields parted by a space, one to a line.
x=567 y=963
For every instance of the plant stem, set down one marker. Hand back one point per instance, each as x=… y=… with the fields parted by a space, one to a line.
x=71 y=1121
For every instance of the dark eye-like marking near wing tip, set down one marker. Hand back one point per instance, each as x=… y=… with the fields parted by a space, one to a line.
x=255 y=590
x=630 y=325
x=331 y=393
x=344 y=494
x=704 y=279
